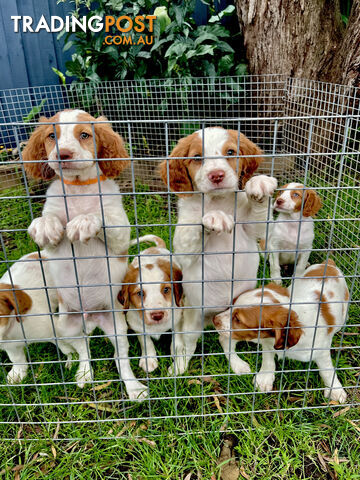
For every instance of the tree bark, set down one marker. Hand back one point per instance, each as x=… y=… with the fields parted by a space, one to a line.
x=301 y=38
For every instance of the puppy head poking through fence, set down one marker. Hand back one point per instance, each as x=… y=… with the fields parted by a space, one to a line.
x=287 y=119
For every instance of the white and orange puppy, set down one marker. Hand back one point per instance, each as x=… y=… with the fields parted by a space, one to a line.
x=306 y=331
x=225 y=257
x=293 y=230
x=83 y=216
x=152 y=295
x=25 y=313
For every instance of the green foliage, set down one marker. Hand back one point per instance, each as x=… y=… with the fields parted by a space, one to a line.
x=179 y=48
x=34 y=111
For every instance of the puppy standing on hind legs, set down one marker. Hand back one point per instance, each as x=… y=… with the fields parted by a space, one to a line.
x=78 y=222
x=284 y=232
x=225 y=168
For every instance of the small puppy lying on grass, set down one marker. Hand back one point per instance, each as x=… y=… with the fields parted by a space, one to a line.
x=296 y=207
x=305 y=331
x=152 y=295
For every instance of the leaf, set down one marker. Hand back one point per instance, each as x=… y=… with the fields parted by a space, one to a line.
x=227 y=11
x=322 y=462
x=354 y=425
x=162 y=17
x=217 y=403
x=161 y=42
x=241 y=69
x=194 y=381
x=176 y=49
x=341 y=412
x=53 y=450
x=179 y=14
x=205 y=36
x=243 y=473
x=57 y=430
x=190 y=54
x=103 y=408
x=34 y=111
x=205 y=49
x=146 y=440
x=60 y=75
x=103 y=385
x=224 y=47
x=144 y=54
x=68 y=45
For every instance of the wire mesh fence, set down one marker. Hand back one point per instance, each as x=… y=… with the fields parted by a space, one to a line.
x=309 y=133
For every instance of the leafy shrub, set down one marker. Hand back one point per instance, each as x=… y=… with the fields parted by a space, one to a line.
x=180 y=48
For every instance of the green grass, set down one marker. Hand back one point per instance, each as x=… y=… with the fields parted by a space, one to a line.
x=286 y=444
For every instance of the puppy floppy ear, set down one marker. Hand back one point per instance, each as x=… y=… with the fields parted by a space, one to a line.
x=248 y=165
x=35 y=150
x=280 y=321
x=312 y=203
x=110 y=145
x=123 y=296
x=130 y=278
x=177 y=287
x=16 y=300
x=179 y=178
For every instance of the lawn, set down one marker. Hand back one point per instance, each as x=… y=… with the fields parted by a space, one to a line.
x=179 y=432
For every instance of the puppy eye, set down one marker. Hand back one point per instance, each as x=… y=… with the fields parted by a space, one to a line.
x=52 y=136
x=166 y=290
x=197 y=158
x=84 y=135
x=230 y=152
x=296 y=195
x=138 y=293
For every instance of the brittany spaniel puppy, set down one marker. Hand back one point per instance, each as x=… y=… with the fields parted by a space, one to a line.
x=318 y=311
x=79 y=222
x=216 y=235
x=24 y=313
x=293 y=229
x=152 y=299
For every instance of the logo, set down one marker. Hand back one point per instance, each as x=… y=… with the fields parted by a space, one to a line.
x=129 y=30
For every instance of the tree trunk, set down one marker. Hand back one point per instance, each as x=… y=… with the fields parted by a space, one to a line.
x=301 y=38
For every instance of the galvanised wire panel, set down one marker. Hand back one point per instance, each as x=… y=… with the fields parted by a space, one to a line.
x=309 y=132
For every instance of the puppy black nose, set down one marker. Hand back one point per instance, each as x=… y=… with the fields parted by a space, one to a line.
x=157 y=316
x=65 y=154
x=279 y=201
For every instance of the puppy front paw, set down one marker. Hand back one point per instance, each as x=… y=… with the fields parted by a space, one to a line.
x=218 y=221
x=238 y=366
x=46 y=230
x=260 y=187
x=264 y=382
x=336 y=394
x=137 y=391
x=16 y=375
x=83 y=376
x=148 y=364
x=83 y=227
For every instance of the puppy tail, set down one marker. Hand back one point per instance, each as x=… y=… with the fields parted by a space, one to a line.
x=159 y=242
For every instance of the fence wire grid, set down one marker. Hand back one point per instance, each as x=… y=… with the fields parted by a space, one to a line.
x=309 y=132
